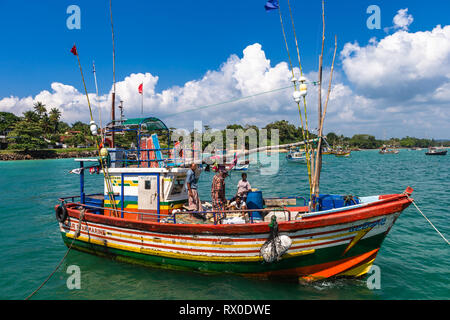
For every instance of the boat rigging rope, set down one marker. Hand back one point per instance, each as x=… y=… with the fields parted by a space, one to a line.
x=305 y=137
x=104 y=167
x=76 y=235
x=442 y=236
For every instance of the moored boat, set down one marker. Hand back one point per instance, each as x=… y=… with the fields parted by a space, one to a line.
x=141 y=224
x=138 y=215
x=436 y=151
x=385 y=150
x=298 y=156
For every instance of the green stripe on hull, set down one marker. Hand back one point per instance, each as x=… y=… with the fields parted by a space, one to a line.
x=320 y=256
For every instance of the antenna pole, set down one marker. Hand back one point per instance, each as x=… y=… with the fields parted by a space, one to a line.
x=113 y=111
x=98 y=103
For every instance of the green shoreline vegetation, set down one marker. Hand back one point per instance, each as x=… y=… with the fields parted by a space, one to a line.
x=41 y=133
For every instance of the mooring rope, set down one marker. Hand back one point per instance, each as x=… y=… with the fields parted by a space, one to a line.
x=442 y=236
x=76 y=235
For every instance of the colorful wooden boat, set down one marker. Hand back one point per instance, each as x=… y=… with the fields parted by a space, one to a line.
x=337 y=242
x=342 y=153
x=341 y=237
x=138 y=217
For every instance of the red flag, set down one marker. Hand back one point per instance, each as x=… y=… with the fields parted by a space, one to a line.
x=140 y=88
x=74 y=50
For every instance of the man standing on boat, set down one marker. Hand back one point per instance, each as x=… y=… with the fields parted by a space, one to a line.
x=191 y=185
x=244 y=187
x=218 y=191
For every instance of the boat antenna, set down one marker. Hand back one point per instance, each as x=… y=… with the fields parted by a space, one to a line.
x=98 y=102
x=113 y=115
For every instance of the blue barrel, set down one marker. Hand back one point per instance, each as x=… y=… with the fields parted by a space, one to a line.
x=255 y=201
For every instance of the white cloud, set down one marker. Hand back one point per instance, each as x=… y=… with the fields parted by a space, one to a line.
x=404 y=76
x=402 y=19
x=401 y=66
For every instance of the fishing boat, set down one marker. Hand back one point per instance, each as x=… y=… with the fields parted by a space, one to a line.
x=138 y=216
x=385 y=150
x=241 y=166
x=432 y=151
x=297 y=156
x=342 y=153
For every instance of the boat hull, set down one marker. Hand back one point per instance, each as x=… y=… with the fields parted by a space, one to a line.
x=341 y=244
x=438 y=153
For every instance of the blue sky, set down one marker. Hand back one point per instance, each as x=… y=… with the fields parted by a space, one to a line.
x=180 y=41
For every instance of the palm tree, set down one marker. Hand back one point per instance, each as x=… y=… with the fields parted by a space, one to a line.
x=31 y=116
x=54 y=117
x=40 y=109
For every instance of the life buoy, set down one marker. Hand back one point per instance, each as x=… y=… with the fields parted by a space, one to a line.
x=61 y=213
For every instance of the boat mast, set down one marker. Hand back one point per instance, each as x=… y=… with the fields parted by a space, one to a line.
x=113 y=111
x=322 y=114
x=318 y=163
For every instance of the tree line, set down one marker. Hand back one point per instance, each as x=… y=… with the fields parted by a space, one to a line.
x=42 y=126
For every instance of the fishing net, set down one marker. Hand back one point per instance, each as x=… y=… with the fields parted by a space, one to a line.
x=276 y=245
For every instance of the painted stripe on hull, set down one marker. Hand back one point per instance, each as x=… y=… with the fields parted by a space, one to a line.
x=216 y=245
x=302 y=265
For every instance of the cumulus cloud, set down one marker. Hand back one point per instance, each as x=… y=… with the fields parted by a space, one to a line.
x=398 y=84
x=236 y=78
x=407 y=77
x=402 y=66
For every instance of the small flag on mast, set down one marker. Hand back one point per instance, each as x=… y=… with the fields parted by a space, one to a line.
x=271 y=5
x=141 y=88
x=74 y=50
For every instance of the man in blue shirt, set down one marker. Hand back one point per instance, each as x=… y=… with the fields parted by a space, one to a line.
x=191 y=185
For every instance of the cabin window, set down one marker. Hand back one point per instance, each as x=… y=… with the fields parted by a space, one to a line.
x=178 y=186
x=148 y=185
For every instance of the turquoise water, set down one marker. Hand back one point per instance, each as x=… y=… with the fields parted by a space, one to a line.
x=414 y=260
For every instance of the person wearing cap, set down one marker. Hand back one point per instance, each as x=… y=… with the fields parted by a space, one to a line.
x=218 y=191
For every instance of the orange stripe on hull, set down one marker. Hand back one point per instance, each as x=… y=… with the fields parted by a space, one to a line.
x=324 y=270
x=342 y=267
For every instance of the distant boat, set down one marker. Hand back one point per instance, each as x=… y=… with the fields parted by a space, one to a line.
x=327 y=151
x=296 y=156
x=436 y=152
x=384 y=150
x=342 y=153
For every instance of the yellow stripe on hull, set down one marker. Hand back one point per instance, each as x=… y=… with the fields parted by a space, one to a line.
x=360 y=270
